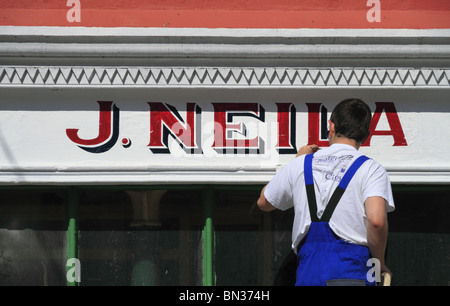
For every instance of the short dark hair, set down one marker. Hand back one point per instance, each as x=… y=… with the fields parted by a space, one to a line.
x=351 y=118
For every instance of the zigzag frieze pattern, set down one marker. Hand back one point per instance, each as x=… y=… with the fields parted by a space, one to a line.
x=195 y=76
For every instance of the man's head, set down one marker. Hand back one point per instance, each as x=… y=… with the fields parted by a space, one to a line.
x=351 y=119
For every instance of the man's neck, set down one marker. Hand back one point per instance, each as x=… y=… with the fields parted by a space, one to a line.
x=346 y=141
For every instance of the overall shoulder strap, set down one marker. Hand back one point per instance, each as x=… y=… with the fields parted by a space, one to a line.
x=309 y=184
x=331 y=206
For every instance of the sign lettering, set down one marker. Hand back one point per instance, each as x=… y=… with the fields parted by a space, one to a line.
x=232 y=134
x=108 y=128
x=165 y=120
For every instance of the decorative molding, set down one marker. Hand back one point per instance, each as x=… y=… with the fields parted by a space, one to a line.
x=221 y=76
x=58 y=44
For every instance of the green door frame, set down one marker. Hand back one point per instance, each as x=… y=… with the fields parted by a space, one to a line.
x=72 y=230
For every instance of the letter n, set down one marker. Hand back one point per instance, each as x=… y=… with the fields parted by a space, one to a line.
x=165 y=120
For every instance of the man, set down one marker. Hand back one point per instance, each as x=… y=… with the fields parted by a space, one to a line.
x=340 y=199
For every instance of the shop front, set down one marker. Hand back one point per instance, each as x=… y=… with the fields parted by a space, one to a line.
x=134 y=154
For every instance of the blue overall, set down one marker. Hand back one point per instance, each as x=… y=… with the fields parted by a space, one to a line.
x=323 y=258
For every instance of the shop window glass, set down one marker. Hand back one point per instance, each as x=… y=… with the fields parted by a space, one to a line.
x=140 y=238
x=32 y=237
x=418 y=250
x=252 y=247
x=149 y=237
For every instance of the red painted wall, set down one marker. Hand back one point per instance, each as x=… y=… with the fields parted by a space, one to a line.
x=412 y=14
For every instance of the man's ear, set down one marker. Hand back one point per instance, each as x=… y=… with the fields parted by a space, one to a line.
x=331 y=130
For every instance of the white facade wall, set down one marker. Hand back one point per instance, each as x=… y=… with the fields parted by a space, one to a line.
x=52 y=79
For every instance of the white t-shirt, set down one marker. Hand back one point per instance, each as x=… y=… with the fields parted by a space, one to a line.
x=287 y=189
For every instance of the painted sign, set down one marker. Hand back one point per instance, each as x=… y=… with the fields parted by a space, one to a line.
x=180 y=135
x=229 y=133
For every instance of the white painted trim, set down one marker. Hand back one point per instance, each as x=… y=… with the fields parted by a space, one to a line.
x=219 y=32
x=186 y=177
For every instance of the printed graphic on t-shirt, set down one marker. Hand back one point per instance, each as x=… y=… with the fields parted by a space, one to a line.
x=332 y=167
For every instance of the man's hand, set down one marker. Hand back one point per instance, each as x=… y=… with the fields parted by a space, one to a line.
x=307 y=149
x=265 y=205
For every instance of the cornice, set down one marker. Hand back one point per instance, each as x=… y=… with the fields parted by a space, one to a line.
x=185 y=47
x=222 y=76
